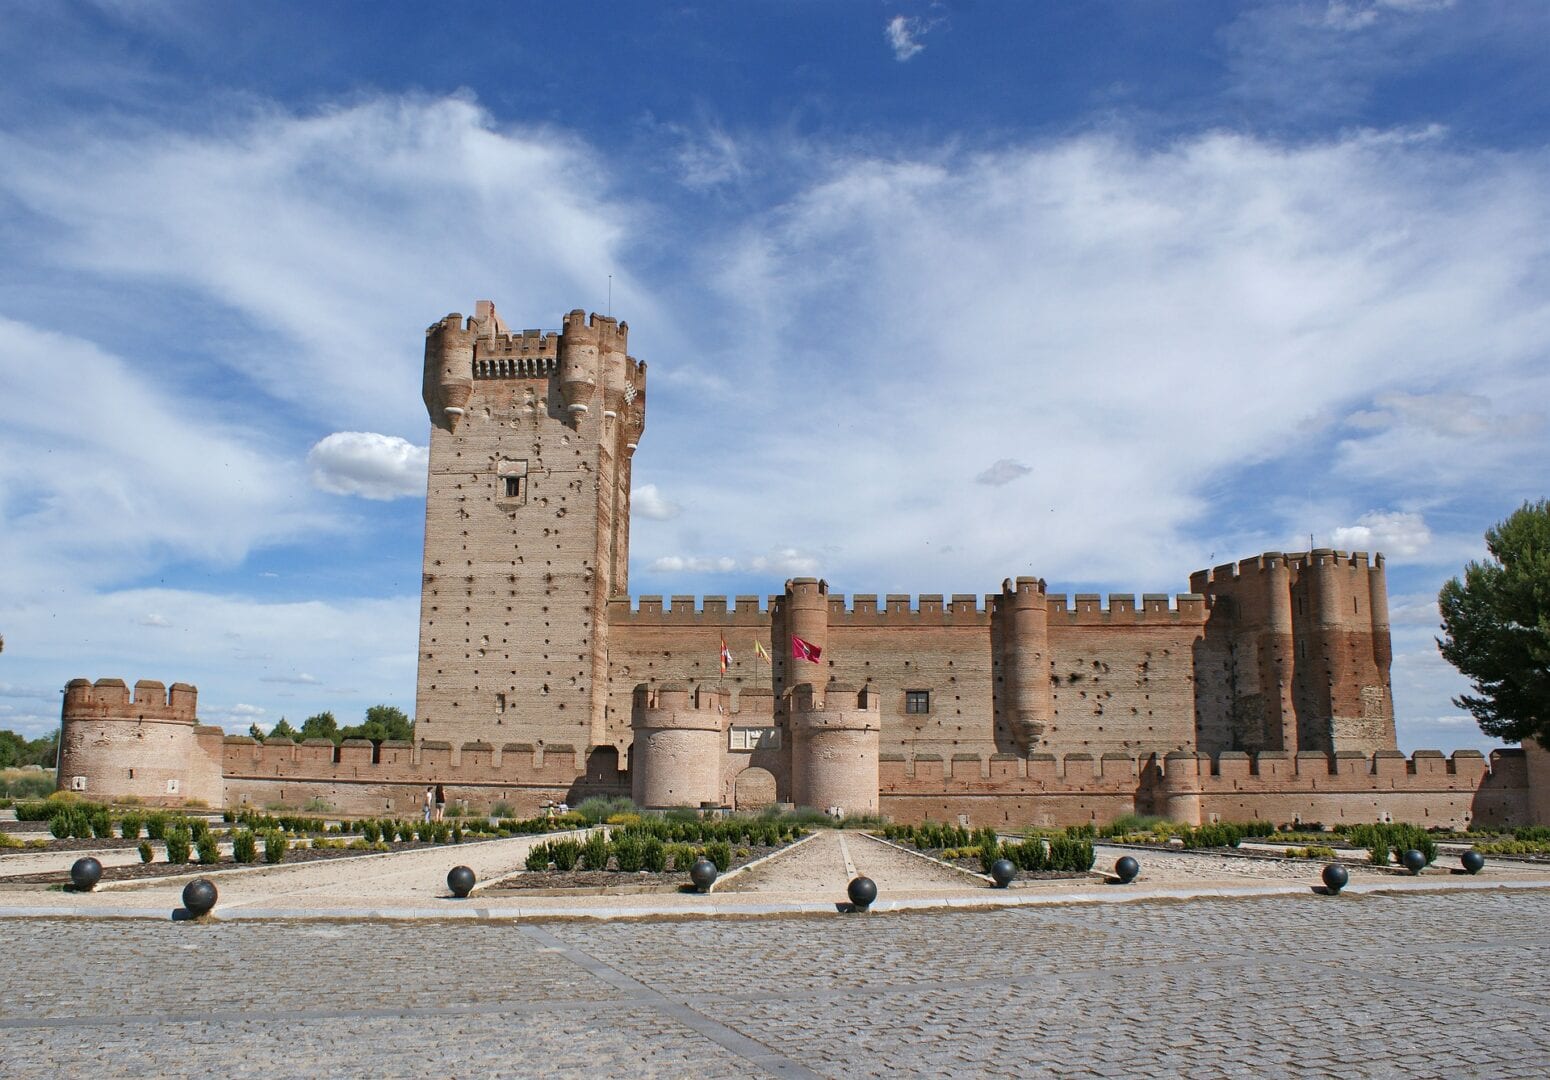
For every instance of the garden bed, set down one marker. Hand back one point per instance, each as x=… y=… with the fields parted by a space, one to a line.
x=618 y=882
x=161 y=869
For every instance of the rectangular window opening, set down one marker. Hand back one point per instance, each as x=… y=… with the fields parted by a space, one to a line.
x=917 y=701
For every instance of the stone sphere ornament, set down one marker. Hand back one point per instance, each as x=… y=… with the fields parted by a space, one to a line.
x=85 y=873
x=703 y=873
x=460 y=879
x=199 y=897
x=1126 y=869
x=1413 y=861
x=1473 y=861
x=862 y=891
x=1336 y=877
x=1003 y=872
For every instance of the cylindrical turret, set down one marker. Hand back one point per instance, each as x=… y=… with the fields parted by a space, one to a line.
x=1276 y=658
x=1378 y=599
x=449 y=370
x=807 y=617
x=1181 y=787
x=1026 y=660
x=578 y=362
x=680 y=741
x=834 y=749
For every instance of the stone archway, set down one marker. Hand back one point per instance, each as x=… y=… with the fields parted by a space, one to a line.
x=754 y=789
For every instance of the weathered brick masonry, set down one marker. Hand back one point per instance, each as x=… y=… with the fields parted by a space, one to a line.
x=1262 y=693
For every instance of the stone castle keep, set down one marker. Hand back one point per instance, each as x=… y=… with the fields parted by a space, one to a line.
x=1263 y=692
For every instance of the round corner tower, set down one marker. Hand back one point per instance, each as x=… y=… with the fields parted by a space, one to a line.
x=835 y=741
x=680 y=742
x=149 y=746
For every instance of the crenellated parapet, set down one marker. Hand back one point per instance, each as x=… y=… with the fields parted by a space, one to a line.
x=679 y=753
x=111 y=698
x=147 y=745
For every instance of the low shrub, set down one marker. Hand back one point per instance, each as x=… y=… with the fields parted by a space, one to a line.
x=276 y=843
x=146 y=852
x=502 y=810
x=1312 y=851
x=537 y=857
x=720 y=853
x=564 y=853
x=598 y=809
x=244 y=846
x=179 y=843
x=156 y=825
x=129 y=826
x=315 y=805
x=653 y=855
x=629 y=852
x=594 y=852
x=208 y=848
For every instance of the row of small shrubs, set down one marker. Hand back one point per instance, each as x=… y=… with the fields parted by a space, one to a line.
x=932 y=835
x=1064 y=854
x=1391 y=837
x=628 y=853
x=1312 y=851
x=45 y=809
x=752 y=832
x=291 y=823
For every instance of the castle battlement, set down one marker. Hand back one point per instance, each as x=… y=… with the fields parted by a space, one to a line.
x=1087 y=609
x=110 y=698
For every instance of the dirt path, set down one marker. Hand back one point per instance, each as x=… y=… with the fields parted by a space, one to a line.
x=821 y=867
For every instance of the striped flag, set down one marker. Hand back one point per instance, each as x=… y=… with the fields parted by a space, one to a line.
x=758 y=650
x=726 y=656
x=804 y=650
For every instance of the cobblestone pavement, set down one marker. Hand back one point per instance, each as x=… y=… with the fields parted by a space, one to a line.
x=1379 y=985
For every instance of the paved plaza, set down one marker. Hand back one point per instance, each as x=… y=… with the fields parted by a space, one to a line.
x=1412 y=984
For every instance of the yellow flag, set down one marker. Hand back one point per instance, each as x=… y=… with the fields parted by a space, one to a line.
x=759 y=651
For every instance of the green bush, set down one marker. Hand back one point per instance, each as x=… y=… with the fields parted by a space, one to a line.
x=208 y=848
x=156 y=825
x=1071 y=854
x=537 y=857
x=101 y=825
x=129 y=826
x=630 y=853
x=502 y=810
x=276 y=843
x=61 y=825
x=244 y=846
x=179 y=842
x=654 y=855
x=146 y=852
x=720 y=853
x=564 y=853
x=594 y=852
x=598 y=809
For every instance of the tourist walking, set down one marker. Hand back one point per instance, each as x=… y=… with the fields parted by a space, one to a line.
x=430 y=796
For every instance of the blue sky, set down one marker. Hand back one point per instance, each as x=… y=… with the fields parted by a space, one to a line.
x=930 y=294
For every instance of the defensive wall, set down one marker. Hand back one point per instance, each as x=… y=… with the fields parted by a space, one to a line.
x=824 y=746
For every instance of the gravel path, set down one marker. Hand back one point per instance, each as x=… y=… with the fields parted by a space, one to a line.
x=818 y=869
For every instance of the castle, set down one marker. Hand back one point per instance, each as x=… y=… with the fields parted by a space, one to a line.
x=1263 y=692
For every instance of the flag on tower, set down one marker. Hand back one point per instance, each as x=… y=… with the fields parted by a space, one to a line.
x=804 y=650
x=758 y=650
x=726 y=656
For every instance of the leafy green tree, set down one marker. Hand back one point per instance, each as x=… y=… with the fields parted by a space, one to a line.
x=1497 y=621
x=17 y=750
x=283 y=730
x=256 y=732
x=382 y=722
x=321 y=726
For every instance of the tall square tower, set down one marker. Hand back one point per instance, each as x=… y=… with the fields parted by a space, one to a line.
x=527 y=526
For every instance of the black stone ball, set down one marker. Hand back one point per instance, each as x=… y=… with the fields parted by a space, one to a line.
x=1336 y=877
x=1126 y=869
x=1002 y=871
x=862 y=891
x=703 y=873
x=85 y=874
x=1413 y=861
x=199 y=897
x=1473 y=861
x=460 y=879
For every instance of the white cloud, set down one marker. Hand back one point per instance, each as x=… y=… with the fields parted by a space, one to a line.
x=648 y=502
x=1002 y=472
x=1391 y=532
x=370 y=465
x=1457 y=415
x=155 y=620
x=902 y=34
x=781 y=561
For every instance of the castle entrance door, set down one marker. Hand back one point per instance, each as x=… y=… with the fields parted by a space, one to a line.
x=754 y=789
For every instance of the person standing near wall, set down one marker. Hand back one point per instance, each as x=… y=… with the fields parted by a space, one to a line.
x=430 y=793
x=441 y=802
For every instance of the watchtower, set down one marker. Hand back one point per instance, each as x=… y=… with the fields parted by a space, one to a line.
x=527 y=525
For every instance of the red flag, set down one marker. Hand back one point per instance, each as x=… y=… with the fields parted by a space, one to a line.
x=804 y=650
x=726 y=656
